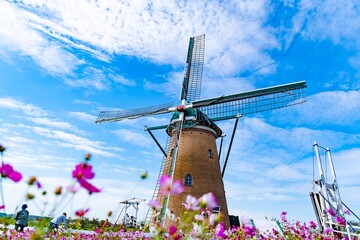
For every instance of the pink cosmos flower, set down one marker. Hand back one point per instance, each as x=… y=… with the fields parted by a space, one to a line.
x=220 y=230
x=166 y=187
x=191 y=203
x=328 y=230
x=72 y=189
x=347 y=211
x=172 y=230
x=283 y=216
x=199 y=217
x=83 y=170
x=214 y=218
x=88 y=186
x=81 y=212
x=6 y=170
x=208 y=200
x=245 y=221
x=331 y=212
x=2 y=207
x=312 y=224
x=250 y=230
x=177 y=188
x=165 y=184
x=155 y=204
x=196 y=230
x=341 y=220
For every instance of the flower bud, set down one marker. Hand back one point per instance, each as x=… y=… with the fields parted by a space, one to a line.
x=58 y=190
x=87 y=156
x=32 y=180
x=2 y=149
x=109 y=214
x=30 y=196
x=144 y=175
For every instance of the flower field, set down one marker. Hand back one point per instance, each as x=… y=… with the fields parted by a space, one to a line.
x=197 y=222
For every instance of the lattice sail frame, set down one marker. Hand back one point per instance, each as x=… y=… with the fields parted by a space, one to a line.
x=227 y=107
x=191 y=88
x=224 y=107
x=114 y=116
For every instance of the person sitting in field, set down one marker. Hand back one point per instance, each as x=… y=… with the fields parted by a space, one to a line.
x=21 y=218
x=56 y=221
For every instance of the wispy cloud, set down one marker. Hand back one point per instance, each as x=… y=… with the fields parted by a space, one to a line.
x=54 y=129
x=27 y=109
x=171 y=85
x=132 y=137
x=53 y=123
x=36 y=115
x=122 y=80
x=119 y=28
x=83 y=116
x=217 y=87
x=331 y=20
x=74 y=141
x=324 y=109
x=91 y=78
x=18 y=35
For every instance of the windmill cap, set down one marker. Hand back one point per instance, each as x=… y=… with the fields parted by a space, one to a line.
x=24 y=206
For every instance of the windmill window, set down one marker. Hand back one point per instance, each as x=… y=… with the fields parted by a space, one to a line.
x=216 y=209
x=210 y=154
x=188 y=180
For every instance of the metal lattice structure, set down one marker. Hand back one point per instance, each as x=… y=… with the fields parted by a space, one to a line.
x=330 y=210
x=227 y=107
x=114 y=116
x=194 y=69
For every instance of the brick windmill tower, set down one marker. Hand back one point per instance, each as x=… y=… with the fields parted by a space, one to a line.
x=191 y=152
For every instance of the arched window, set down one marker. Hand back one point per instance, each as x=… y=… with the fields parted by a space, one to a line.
x=188 y=180
x=210 y=153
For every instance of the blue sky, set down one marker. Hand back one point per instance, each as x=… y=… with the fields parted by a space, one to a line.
x=61 y=62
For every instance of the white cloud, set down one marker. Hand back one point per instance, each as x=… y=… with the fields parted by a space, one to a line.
x=324 y=109
x=17 y=35
x=285 y=173
x=53 y=123
x=83 y=116
x=138 y=29
x=133 y=137
x=27 y=109
x=215 y=87
x=90 y=78
x=37 y=115
x=332 y=19
x=74 y=141
x=122 y=80
x=18 y=139
x=171 y=85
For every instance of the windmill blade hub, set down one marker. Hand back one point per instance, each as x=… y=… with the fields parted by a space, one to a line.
x=180 y=108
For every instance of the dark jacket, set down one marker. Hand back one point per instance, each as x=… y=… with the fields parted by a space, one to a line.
x=22 y=217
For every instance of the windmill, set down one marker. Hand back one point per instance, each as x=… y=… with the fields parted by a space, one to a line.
x=190 y=152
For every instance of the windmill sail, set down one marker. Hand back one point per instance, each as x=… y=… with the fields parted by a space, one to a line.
x=191 y=86
x=115 y=116
x=227 y=107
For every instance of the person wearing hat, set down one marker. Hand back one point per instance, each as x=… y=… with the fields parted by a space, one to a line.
x=21 y=218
